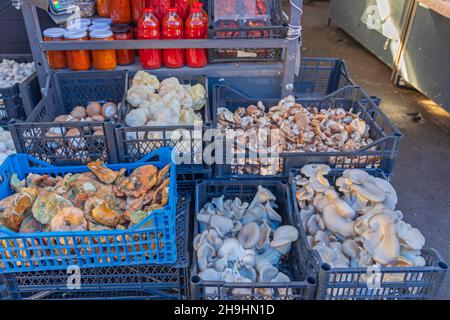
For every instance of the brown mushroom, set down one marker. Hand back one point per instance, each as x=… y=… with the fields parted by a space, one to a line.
x=78 y=112
x=93 y=108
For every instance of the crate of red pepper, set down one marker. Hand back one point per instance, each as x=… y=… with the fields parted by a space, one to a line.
x=246 y=19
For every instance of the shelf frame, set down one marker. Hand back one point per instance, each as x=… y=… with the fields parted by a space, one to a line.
x=285 y=68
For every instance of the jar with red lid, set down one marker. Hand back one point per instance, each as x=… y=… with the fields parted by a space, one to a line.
x=56 y=59
x=120 y=11
x=103 y=8
x=77 y=60
x=123 y=32
x=103 y=59
x=172 y=28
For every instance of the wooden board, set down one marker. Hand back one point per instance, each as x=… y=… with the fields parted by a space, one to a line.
x=440 y=6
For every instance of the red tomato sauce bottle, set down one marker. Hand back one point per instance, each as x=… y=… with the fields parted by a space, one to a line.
x=196 y=28
x=172 y=28
x=149 y=29
x=199 y=4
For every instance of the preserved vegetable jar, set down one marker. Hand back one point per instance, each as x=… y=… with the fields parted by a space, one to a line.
x=172 y=28
x=161 y=8
x=56 y=59
x=196 y=28
x=103 y=59
x=137 y=10
x=182 y=8
x=77 y=60
x=149 y=29
x=103 y=8
x=123 y=32
x=120 y=11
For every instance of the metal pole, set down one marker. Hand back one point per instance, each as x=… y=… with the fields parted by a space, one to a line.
x=294 y=35
x=33 y=27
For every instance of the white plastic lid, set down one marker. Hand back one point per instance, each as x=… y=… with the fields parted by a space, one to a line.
x=82 y=21
x=102 y=21
x=99 y=26
x=53 y=32
x=100 y=34
x=75 y=34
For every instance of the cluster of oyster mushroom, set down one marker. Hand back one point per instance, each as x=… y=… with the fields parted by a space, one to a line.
x=290 y=127
x=102 y=199
x=242 y=242
x=355 y=224
x=163 y=103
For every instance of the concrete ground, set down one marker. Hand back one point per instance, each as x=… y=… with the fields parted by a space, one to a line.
x=422 y=173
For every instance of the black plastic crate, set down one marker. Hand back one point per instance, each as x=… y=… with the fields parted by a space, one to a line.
x=397 y=283
x=381 y=154
x=135 y=142
x=303 y=284
x=239 y=26
x=119 y=282
x=18 y=100
x=64 y=91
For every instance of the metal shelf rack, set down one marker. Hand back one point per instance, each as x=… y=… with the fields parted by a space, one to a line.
x=285 y=68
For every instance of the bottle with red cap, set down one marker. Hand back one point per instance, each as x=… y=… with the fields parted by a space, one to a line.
x=196 y=28
x=149 y=29
x=161 y=8
x=198 y=4
x=182 y=8
x=172 y=28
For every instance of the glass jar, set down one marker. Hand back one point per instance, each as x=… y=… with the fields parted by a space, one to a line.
x=56 y=59
x=78 y=23
x=149 y=29
x=77 y=60
x=123 y=32
x=120 y=11
x=103 y=59
x=172 y=28
x=103 y=8
x=196 y=28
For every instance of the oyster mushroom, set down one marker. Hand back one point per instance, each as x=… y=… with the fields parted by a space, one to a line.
x=238 y=208
x=264 y=236
x=412 y=237
x=249 y=235
x=204 y=253
x=315 y=173
x=271 y=213
x=283 y=237
x=263 y=195
x=221 y=224
x=267 y=273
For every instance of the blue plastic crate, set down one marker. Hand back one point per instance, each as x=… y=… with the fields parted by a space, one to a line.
x=396 y=283
x=145 y=281
x=151 y=241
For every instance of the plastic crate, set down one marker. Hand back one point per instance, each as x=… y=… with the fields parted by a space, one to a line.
x=397 y=283
x=303 y=283
x=187 y=141
x=64 y=91
x=382 y=153
x=18 y=100
x=187 y=180
x=317 y=78
x=151 y=241
x=238 y=24
x=147 y=281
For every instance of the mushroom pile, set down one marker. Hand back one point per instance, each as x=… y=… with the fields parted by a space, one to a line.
x=355 y=224
x=12 y=72
x=94 y=111
x=243 y=242
x=101 y=199
x=289 y=127
x=6 y=145
x=163 y=103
